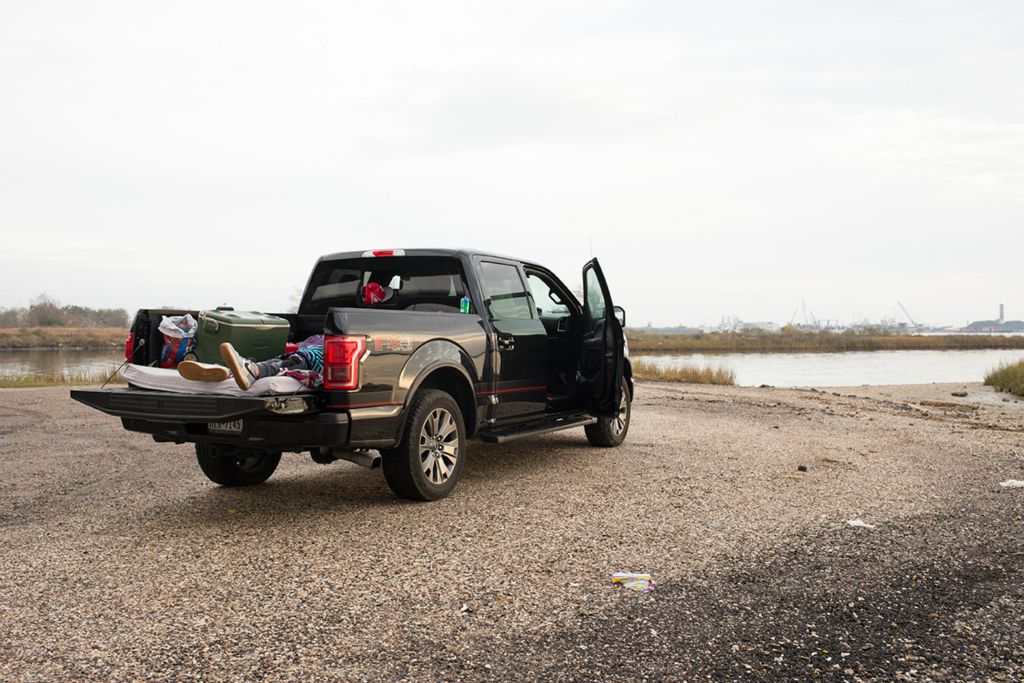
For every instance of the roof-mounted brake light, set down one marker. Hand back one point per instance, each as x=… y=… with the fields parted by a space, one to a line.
x=384 y=252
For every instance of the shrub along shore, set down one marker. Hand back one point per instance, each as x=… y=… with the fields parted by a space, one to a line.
x=1008 y=378
x=812 y=342
x=57 y=379
x=687 y=374
x=88 y=338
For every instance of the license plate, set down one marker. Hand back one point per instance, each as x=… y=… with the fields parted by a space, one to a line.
x=233 y=427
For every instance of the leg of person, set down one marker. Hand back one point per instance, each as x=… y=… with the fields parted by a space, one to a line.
x=275 y=366
x=246 y=371
x=202 y=372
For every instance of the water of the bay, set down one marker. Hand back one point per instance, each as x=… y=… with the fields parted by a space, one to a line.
x=853 y=368
x=752 y=369
x=58 y=362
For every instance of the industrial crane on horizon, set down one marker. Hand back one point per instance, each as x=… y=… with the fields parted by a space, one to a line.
x=909 y=317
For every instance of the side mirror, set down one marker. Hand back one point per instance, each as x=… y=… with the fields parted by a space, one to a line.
x=620 y=315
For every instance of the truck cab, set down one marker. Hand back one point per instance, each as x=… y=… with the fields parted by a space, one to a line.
x=470 y=344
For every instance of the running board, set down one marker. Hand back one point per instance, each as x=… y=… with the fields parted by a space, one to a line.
x=545 y=427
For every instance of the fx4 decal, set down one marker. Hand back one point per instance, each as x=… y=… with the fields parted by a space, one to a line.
x=392 y=345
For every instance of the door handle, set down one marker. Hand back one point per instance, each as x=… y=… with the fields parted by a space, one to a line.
x=506 y=343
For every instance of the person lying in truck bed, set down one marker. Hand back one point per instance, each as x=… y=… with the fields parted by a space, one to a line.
x=305 y=364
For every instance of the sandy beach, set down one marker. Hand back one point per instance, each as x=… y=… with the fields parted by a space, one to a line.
x=121 y=561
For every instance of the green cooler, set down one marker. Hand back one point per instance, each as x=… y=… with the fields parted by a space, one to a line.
x=254 y=335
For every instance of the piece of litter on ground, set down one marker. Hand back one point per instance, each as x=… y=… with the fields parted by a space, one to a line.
x=465 y=608
x=634 y=582
x=1012 y=484
x=860 y=523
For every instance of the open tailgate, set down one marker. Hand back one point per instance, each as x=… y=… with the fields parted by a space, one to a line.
x=163 y=405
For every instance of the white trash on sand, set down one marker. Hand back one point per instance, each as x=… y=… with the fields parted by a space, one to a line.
x=860 y=523
x=634 y=582
x=1012 y=484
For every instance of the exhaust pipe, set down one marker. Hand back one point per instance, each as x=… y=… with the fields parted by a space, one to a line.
x=361 y=457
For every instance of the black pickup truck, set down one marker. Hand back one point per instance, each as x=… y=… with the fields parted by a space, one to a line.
x=409 y=380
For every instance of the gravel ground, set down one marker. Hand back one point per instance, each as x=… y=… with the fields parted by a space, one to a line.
x=120 y=561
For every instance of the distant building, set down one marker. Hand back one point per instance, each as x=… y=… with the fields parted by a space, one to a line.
x=995 y=326
x=678 y=329
x=1001 y=324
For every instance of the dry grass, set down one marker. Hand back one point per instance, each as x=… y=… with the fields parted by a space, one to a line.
x=811 y=342
x=687 y=374
x=62 y=337
x=58 y=379
x=1009 y=377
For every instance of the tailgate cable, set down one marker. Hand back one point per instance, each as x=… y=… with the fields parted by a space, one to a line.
x=142 y=342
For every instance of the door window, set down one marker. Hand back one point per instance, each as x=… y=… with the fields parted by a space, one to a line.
x=542 y=292
x=594 y=298
x=506 y=292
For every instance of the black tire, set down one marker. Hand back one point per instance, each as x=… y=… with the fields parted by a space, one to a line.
x=609 y=432
x=407 y=465
x=230 y=466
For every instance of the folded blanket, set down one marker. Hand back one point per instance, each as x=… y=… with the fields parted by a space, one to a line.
x=164 y=379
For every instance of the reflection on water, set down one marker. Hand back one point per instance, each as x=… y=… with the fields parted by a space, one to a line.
x=58 y=361
x=852 y=368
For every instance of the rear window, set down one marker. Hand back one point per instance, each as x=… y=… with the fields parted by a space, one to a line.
x=420 y=283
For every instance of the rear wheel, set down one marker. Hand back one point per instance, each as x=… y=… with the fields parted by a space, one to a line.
x=229 y=466
x=428 y=462
x=609 y=432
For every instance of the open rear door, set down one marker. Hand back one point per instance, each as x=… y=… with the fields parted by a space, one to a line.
x=603 y=345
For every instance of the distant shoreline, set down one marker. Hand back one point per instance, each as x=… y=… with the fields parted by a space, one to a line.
x=61 y=338
x=812 y=342
x=112 y=338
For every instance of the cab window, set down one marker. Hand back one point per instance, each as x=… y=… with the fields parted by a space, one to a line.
x=418 y=283
x=506 y=294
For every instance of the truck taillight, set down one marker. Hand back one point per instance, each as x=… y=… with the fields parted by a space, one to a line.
x=129 y=346
x=342 y=355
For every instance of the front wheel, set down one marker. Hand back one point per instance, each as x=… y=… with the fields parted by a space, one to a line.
x=428 y=462
x=609 y=432
x=230 y=466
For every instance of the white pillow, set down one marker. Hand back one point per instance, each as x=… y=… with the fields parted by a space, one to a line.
x=167 y=379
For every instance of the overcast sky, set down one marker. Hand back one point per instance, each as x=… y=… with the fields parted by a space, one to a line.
x=720 y=158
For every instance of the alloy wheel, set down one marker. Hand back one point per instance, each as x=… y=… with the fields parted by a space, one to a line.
x=618 y=424
x=439 y=446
